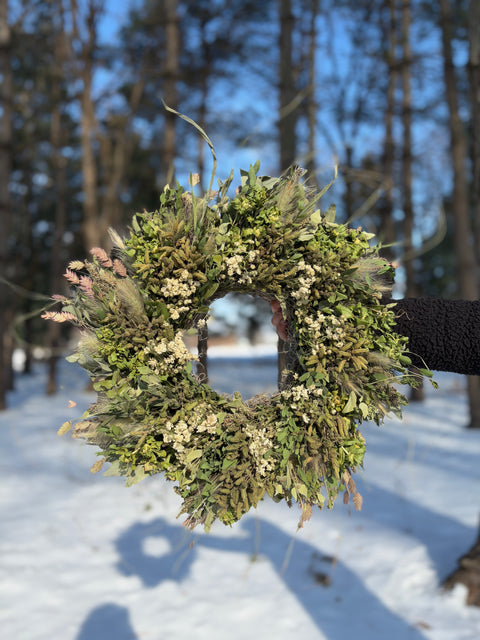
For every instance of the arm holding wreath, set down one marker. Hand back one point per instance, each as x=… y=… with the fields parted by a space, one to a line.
x=443 y=335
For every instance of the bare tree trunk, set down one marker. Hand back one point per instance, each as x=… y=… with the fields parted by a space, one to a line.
x=348 y=171
x=474 y=81
x=288 y=114
x=386 y=227
x=468 y=571
x=311 y=102
x=287 y=118
x=91 y=228
x=468 y=574
x=100 y=213
x=60 y=187
x=464 y=252
x=5 y=171
x=407 y=150
x=416 y=395
x=171 y=75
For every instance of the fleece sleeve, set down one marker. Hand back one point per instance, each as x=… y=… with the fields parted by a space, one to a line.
x=444 y=335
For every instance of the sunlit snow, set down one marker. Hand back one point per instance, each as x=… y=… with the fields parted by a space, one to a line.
x=84 y=558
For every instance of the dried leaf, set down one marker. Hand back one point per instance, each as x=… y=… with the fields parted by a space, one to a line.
x=75 y=265
x=65 y=428
x=97 y=466
x=357 y=501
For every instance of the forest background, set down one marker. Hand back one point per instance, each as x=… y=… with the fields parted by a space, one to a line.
x=388 y=89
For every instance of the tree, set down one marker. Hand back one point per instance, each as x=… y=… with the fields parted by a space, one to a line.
x=103 y=173
x=468 y=571
x=386 y=224
x=464 y=252
x=59 y=166
x=5 y=210
x=288 y=107
x=171 y=76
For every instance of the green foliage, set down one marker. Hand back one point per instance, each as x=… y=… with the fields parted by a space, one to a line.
x=153 y=415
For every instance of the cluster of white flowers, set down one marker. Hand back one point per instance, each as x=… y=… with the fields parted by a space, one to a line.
x=180 y=433
x=305 y=282
x=169 y=356
x=259 y=444
x=208 y=424
x=177 y=434
x=321 y=328
x=300 y=392
x=243 y=264
x=181 y=288
x=233 y=264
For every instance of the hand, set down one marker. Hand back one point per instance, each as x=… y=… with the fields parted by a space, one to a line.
x=278 y=320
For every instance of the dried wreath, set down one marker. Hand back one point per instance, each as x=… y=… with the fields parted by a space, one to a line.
x=154 y=415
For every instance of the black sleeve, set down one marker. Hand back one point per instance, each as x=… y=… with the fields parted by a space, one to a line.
x=444 y=335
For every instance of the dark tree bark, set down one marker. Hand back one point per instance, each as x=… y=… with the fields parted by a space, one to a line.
x=464 y=252
x=474 y=81
x=59 y=166
x=5 y=210
x=386 y=225
x=171 y=75
x=101 y=197
x=288 y=115
x=468 y=574
x=416 y=395
x=311 y=104
x=468 y=571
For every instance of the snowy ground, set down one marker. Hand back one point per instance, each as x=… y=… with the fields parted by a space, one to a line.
x=84 y=558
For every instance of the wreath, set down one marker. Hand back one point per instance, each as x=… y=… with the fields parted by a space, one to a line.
x=153 y=413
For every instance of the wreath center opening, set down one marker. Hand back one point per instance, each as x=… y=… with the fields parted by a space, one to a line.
x=238 y=350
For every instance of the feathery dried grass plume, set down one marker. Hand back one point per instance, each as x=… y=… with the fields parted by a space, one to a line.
x=120 y=268
x=102 y=257
x=59 y=316
x=130 y=297
x=76 y=265
x=86 y=284
x=116 y=239
x=71 y=276
x=375 y=272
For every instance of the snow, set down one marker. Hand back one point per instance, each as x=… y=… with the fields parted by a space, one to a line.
x=84 y=558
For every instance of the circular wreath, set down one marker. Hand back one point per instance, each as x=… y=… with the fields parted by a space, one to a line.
x=154 y=415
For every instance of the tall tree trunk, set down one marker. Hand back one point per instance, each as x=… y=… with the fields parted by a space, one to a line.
x=100 y=213
x=474 y=81
x=468 y=571
x=311 y=102
x=416 y=395
x=60 y=190
x=287 y=118
x=287 y=90
x=386 y=226
x=5 y=172
x=464 y=251
x=407 y=150
x=91 y=228
x=171 y=75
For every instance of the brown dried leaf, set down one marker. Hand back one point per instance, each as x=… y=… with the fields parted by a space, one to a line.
x=357 y=501
x=98 y=465
x=65 y=428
